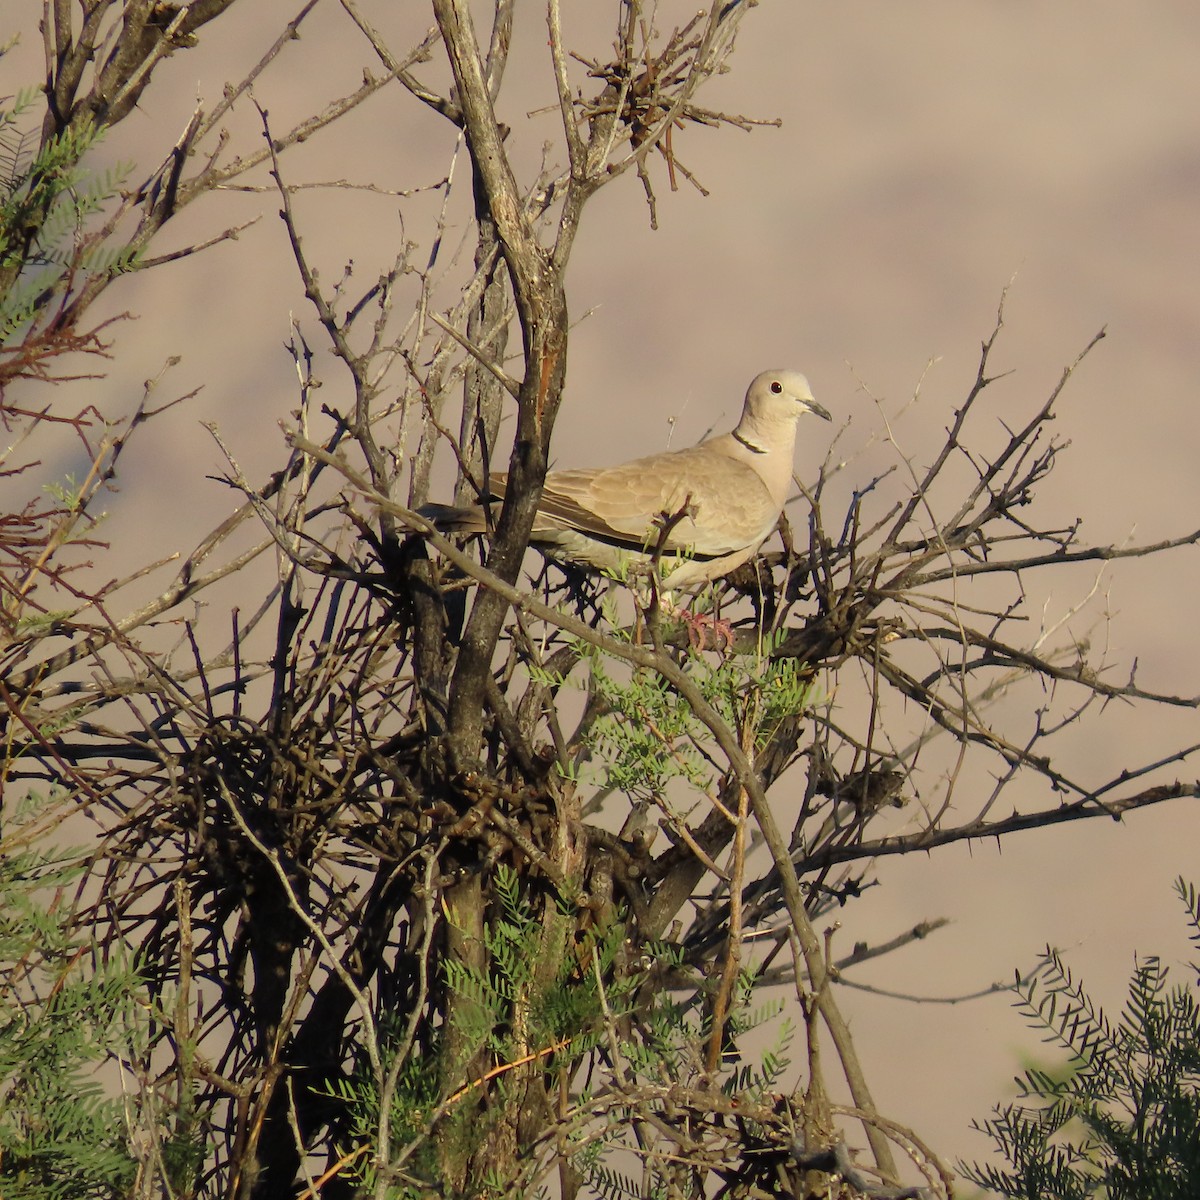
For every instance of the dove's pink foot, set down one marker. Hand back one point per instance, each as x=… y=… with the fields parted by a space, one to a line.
x=700 y=625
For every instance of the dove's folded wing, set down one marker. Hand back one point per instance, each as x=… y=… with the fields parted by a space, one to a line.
x=720 y=504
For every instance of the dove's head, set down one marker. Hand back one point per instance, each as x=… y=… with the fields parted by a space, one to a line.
x=779 y=397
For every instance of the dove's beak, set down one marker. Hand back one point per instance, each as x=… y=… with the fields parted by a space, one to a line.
x=820 y=410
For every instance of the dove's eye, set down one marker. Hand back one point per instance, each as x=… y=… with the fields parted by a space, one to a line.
x=776 y=386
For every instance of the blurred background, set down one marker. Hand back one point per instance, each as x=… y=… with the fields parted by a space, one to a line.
x=932 y=154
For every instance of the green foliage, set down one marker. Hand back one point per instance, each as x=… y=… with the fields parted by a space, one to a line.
x=762 y=1074
x=649 y=735
x=591 y=1006
x=513 y=1010
x=413 y=1099
x=45 y=207
x=564 y=1007
x=14 y=142
x=64 y=1010
x=1123 y=1122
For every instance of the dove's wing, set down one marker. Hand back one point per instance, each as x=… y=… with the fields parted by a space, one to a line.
x=713 y=503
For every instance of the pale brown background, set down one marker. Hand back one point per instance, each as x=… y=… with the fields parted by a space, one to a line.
x=931 y=150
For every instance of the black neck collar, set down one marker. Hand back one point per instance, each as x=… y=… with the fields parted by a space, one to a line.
x=737 y=437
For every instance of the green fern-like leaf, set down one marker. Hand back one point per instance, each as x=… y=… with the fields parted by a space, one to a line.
x=48 y=202
x=1123 y=1122
x=64 y=1010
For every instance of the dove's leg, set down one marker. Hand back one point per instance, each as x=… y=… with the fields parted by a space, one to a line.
x=699 y=625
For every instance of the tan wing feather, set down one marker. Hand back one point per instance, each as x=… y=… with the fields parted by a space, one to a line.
x=624 y=503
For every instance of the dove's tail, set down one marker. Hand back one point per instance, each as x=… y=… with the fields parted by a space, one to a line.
x=449 y=518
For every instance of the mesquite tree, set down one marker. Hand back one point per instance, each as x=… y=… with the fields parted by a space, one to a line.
x=436 y=877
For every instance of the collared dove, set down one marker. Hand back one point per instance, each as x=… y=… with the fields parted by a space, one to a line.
x=718 y=501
